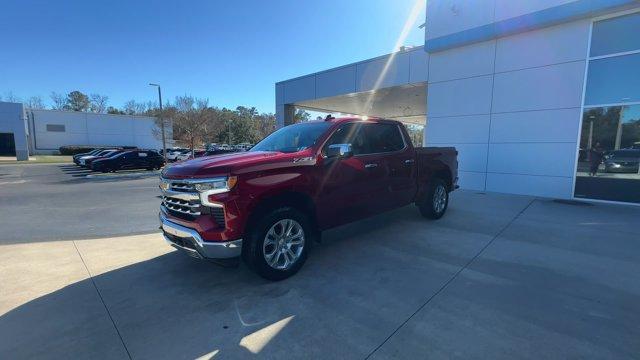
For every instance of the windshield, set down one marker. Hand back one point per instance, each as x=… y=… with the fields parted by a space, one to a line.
x=293 y=138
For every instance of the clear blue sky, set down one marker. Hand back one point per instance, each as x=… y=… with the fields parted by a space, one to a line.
x=232 y=52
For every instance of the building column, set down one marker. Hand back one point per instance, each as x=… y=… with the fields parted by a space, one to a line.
x=285 y=114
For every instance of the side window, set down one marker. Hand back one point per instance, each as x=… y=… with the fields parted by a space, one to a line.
x=384 y=138
x=349 y=134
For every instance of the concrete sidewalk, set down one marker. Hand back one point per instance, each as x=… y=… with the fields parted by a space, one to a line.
x=498 y=277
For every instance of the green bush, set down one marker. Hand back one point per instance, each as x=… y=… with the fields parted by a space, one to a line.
x=76 y=149
x=79 y=149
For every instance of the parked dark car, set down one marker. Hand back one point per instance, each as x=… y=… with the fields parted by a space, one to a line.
x=89 y=161
x=82 y=161
x=622 y=161
x=134 y=159
x=217 y=152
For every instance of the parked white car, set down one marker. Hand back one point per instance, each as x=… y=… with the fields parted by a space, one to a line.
x=172 y=154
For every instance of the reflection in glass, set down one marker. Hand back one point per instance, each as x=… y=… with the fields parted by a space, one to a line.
x=609 y=158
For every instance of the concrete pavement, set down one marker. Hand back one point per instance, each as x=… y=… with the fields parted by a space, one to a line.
x=498 y=277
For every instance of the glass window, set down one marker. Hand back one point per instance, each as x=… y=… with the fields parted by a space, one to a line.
x=614 y=80
x=293 y=138
x=616 y=35
x=609 y=155
x=384 y=138
x=350 y=134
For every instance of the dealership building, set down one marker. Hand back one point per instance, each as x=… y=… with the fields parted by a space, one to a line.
x=25 y=132
x=539 y=97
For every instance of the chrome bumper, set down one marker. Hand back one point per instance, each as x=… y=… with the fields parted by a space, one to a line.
x=189 y=241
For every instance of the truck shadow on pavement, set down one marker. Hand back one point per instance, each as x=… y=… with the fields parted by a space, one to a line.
x=173 y=306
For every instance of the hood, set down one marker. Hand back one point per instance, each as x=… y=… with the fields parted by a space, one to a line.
x=224 y=164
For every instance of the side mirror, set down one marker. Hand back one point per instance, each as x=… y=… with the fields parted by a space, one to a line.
x=339 y=150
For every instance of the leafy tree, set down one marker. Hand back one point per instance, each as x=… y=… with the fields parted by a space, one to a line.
x=98 y=103
x=301 y=115
x=77 y=101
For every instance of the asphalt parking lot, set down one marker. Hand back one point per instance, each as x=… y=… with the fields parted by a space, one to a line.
x=499 y=276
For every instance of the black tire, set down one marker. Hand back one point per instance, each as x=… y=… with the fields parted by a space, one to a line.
x=429 y=207
x=253 y=247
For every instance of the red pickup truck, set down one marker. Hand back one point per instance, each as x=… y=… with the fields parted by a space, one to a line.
x=269 y=204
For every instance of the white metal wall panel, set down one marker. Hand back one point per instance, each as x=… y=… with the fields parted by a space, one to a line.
x=460 y=97
x=469 y=129
x=550 y=87
x=553 y=45
x=300 y=89
x=53 y=140
x=471 y=180
x=73 y=123
x=446 y=17
x=383 y=72
x=279 y=93
x=463 y=62
x=471 y=157
x=419 y=62
x=94 y=129
x=336 y=82
x=536 y=126
x=546 y=186
x=543 y=159
x=109 y=126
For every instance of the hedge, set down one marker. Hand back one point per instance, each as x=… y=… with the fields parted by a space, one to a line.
x=79 y=149
x=76 y=149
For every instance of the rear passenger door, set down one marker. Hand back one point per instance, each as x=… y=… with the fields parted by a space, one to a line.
x=142 y=160
x=395 y=177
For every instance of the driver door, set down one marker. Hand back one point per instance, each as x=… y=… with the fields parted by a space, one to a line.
x=347 y=186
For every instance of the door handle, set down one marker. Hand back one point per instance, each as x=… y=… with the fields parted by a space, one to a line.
x=371 y=166
x=409 y=161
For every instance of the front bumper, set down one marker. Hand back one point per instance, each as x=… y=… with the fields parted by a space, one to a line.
x=189 y=241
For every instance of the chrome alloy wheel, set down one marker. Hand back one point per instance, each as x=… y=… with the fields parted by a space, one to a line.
x=283 y=244
x=439 y=199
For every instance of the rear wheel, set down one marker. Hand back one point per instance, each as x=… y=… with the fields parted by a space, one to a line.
x=277 y=246
x=435 y=204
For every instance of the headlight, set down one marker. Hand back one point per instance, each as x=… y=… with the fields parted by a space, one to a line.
x=164 y=185
x=214 y=186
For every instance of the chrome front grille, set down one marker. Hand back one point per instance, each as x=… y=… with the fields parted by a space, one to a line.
x=182 y=187
x=181 y=199
x=182 y=206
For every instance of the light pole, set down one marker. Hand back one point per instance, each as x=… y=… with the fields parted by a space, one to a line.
x=164 y=141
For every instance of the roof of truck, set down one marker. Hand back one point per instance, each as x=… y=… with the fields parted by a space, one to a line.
x=358 y=118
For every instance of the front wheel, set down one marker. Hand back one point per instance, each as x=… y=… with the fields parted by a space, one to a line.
x=436 y=202
x=277 y=246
